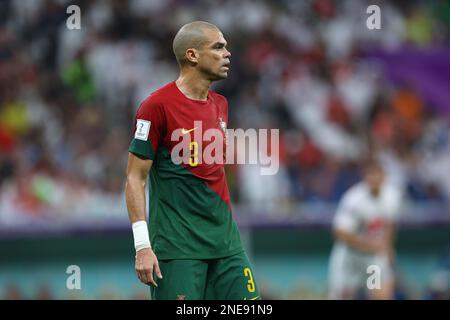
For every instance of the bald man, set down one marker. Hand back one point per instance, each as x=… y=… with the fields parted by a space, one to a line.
x=191 y=248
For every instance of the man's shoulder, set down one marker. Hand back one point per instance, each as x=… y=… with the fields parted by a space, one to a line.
x=392 y=192
x=218 y=97
x=355 y=192
x=158 y=96
x=391 y=188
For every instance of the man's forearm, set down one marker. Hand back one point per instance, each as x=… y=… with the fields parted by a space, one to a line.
x=356 y=242
x=135 y=198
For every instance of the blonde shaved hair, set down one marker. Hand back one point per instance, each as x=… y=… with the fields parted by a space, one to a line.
x=191 y=35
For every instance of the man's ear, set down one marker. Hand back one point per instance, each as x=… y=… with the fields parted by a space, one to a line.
x=192 y=55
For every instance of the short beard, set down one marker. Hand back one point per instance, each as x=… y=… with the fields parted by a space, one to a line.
x=213 y=76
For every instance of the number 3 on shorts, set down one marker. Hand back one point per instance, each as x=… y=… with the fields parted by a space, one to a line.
x=251 y=283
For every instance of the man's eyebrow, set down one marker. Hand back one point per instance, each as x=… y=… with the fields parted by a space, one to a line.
x=220 y=44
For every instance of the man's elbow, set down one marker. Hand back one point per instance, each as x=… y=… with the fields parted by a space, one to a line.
x=341 y=235
x=134 y=181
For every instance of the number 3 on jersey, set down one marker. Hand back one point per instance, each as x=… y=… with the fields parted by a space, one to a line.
x=251 y=283
x=193 y=159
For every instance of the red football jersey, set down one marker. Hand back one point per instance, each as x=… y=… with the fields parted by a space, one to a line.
x=190 y=207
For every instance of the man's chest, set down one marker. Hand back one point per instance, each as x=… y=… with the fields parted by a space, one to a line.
x=373 y=215
x=200 y=123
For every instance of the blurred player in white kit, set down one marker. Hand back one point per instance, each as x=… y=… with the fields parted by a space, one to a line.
x=364 y=230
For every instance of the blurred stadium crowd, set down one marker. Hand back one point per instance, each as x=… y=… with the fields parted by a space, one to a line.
x=68 y=98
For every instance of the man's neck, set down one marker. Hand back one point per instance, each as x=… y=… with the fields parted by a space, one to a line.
x=193 y=86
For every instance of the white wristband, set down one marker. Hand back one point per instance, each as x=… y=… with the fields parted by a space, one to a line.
x=140 y=234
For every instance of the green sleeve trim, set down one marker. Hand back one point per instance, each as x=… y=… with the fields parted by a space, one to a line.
x=142 y=148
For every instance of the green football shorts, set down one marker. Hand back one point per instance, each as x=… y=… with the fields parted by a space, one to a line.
x=229 y=278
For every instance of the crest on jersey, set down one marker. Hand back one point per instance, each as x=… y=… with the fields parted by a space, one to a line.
x=223 y=125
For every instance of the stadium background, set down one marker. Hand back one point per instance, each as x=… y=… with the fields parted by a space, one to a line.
x=336 y=90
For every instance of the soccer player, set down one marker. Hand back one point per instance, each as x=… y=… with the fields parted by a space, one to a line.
x=364 y=230
x=195 y=250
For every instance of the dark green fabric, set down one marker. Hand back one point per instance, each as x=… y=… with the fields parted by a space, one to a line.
x=229 y=278
x=188 y=220
x=142 y=148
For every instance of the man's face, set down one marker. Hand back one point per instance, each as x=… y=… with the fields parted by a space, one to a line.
x=374 y=178
x=214 y=58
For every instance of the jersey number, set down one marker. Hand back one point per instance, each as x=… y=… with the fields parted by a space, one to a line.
x=251 y=283
x=193 y=159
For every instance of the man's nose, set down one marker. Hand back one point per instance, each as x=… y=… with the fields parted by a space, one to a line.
x=227 y=54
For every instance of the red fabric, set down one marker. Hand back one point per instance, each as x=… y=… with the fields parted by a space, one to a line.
x=310 y=155
x=169 y=109
x=6 y=141
x=337 y=113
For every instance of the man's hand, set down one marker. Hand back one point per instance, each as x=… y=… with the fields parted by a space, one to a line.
x=146 y=264
x=372 y=245
x=382 y=246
